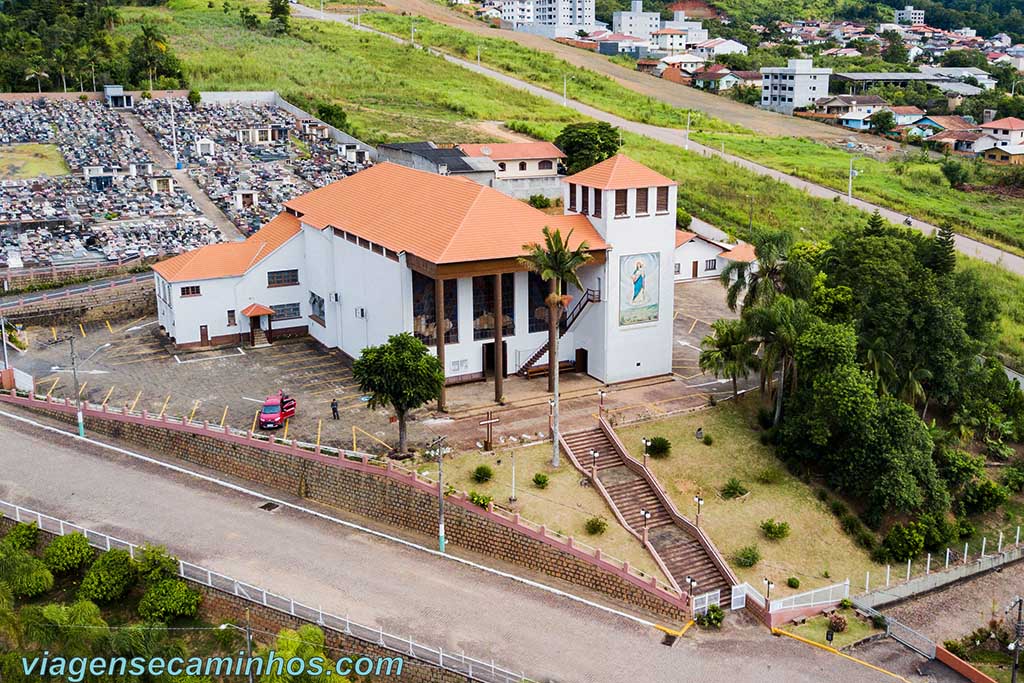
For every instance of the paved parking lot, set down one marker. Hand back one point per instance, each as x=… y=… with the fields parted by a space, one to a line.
x=128 y=363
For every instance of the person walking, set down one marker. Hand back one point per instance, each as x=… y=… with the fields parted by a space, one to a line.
x=334 y=409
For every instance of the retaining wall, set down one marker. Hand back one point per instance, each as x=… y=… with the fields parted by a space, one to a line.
x=384 y=493
x=101 y=302
x=961 y=667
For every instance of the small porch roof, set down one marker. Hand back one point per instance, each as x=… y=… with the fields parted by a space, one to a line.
x=254 y=310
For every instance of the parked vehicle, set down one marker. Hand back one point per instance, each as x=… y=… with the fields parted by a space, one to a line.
x=276 y=409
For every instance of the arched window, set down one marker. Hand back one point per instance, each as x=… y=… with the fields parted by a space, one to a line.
x=522 y=165
x=501 y=165
x=544 y=165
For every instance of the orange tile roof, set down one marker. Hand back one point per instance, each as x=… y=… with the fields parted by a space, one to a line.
x=253 y=310
x=619 y=173
x=1009 y=122
x=230 y=259
x=741 y=252
x=507 y=151
x=442 y=219
x=682 y=237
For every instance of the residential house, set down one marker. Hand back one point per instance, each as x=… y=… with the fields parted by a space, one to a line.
x=716 y=47
x=1011 y=156
x=905 y=115
x=1005 y=133
x=858 y=119
x=391 y=249
x=670 y=40
x=844 y=104
x=427 y=156
x=941 y=123
x=961 y=73
x=842 y=52
x=687 y=63
x=957 y=141
x=699 y=257
x=716 y=78
x=694 y=30
x=523 y=169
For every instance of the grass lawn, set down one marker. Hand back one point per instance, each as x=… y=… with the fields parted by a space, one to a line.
x=563 y=506
x=815 y=545
x=814 y=629
x=915 y=186
x=30 y=161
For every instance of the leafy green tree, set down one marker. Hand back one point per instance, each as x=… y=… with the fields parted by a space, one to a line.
x=72 y=630
x=895 y=52
x=957 y=173
x=882 y=121
x=306 y=643
x=110 y=577
x=400 y=373
x=194 y=99
x=557 y=263
x=24 y=575
x=941 y=255
x=150 y=49
x=779 y=325
x=729 y=351
x=280 y=11
x=771 y=274
x=586 y=144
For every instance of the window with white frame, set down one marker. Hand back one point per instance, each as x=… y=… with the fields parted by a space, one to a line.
x=711 y=264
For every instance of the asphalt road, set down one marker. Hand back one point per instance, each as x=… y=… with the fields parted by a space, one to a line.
x=674 y=136
x=379 y=582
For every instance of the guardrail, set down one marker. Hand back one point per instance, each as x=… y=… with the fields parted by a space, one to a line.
x=68 y=292
x=369 y=464
x=828 y=595
x=474 y=669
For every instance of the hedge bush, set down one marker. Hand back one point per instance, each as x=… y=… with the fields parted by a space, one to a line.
x=541 y=480
x=67 y=553
x=769 y=475
x=774 y=531
x=22 y=536
x=110 y=577
x=904 y=542
x=747 y=556
x=168 y=599
x=483 y=474
x=713 y=618
x=25 y=575
x=480 y=499
x=596 y=525
x=156 y=564
x=660 y=447
x=733 y=488
x=793 y=582
x=708 y=440
x=983 y=495
x=1013 y=478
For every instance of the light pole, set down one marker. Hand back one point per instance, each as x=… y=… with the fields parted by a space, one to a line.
x=412 y=33
x=750 y=220
x=849 y=182
x=512 y=499
x=691 y=584
x=700 y=503
x=768 y=584
x=601 y=393
x=687 y=143
x=248 y=641
x=551 y=417
x=3 y=338
x=565 y=89
x=1018 y=635
x=646 y=514
x=593 y=457
x=437 y=446
x=478 y=49
x=647 y=448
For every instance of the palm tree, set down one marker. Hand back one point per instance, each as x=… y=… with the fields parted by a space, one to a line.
x=730 y=351
x=38 y=74
x=912 y=390
x=72 y=629
x=557 y=263
x=778 y=326
x=880 y=363
x=771 y=274
x=153 y=46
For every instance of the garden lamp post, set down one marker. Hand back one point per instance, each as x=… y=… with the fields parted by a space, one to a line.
x=700 y=503
x=1018 y=635
x=248 y=640
x=691 y=586
x=593 y=456
x=551 y=417
x=565 y=89
x=647 y=448
x=768 y=584
x=3 y=339
x=601 y=393
x=646 y=514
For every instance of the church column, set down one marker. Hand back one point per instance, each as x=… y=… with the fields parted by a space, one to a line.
x=439 y=334
x=499 y=356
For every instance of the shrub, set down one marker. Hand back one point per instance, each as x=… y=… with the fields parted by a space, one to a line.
x=851 y=523
x=793 y=582
x=596 y=526
x=67 y=553
x=964 y=529
x=774 y=531
x=983 y=495
x=708 y=440
x=865 y=539
x=957 y=648
x=938 y=531
x=878 y=621
x=769 y=475
x=765 y=417
x=660 y=447
x=483 y=474
x=713 y=618
x=480 y=499
x=837 y=622
x=25 y=575
x=540 y=480
x=156 y=564
x=838 y=508
x=1013 y=478
x=733 y=488
x=168 y=599
x=539 y=201
x=823 y=495
x=22 y=536
x=846 y=603
x=109 y=577
x=683 y=218
x=904 y=541
x=747 y=556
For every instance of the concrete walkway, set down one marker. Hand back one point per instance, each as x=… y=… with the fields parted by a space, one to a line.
x=674 y=136
x=380 y=582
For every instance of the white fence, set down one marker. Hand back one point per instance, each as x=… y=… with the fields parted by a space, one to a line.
x=829 y=595
x=474 y=669
x=743 y=592
x=701 y=603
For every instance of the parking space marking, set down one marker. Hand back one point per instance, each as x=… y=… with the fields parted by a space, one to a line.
x=147 y=359
x=690 y=331
x=200 y=360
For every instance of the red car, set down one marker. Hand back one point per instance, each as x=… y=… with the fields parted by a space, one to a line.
x=276 y=409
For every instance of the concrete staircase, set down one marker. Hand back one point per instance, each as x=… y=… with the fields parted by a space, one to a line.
x=259 y=339
x=677 y=545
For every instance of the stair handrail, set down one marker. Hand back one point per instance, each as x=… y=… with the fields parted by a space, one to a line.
x=618 y=514
x=564 y=323
x=702 y=538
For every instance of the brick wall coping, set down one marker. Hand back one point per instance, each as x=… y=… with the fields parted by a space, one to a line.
x=368 y=464
x=472 y=669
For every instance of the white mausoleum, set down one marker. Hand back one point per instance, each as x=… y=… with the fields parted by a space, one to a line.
x=392 y=249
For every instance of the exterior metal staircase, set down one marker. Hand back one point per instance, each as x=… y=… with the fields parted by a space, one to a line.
x=589 y=296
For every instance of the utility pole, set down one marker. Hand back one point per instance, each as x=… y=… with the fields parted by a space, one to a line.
x=478 y=55
x=437 y=445
x=78 y=397
x=849 y=184
x=3 y=338
x=174 y=133
x=687 y=144
x=1018 y=634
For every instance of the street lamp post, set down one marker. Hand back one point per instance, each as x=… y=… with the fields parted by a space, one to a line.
x=647 y=448
x=248 y=641
x=601 y=393
x=412 y=33
x=551 y=417
x=1018 y=635
x=691 y=586
x=687 y=144
x=769 y=584
x=750 y=220
x=513 y=499
x=565 y=89
x=700 y=503
x=646 y=514
x=437 y=446
x=3 y=339
x=593 y=456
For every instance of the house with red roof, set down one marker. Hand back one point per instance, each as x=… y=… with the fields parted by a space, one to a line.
x=394 y=249
x=699 y=256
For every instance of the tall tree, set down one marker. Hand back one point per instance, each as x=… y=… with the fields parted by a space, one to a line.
x=557 y=263
x=151 y=47
x=586 y=144
x=771 y=274
x=729 y=352
x=280 y=11
x=941 y=254
x=400 y=373
x=779 y=325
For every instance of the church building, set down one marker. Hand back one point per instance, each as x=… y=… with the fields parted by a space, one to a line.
x=392 y=249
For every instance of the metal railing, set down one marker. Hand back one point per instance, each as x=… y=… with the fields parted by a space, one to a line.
x=917 y=642
x=12 y=304
x=474 y=669
x=829 y=595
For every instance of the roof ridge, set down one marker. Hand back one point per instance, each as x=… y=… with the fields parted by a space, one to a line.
x=462 y=223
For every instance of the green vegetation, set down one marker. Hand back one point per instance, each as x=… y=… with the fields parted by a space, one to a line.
x=482 y=474
x=856 y=629
x=31 y=161
x=985 y=648
x=747 y=556
x=712 y=618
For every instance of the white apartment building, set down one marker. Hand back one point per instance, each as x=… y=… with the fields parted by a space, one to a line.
x=555 y=18
x=695 y=31
x=392 y=249
x=517 y=12
x=799 y=84
x=909 y=15
x=636 y=22
x=1006 y=132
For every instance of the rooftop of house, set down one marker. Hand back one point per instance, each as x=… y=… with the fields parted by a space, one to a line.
x=508 y=151
x=230 y=259
x=952 y=123
x=907 y=110
x=741 y=252
x=454 y=159
x=682 y=237
x=1007 y=123
x=860 y=100
x=618 y=173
